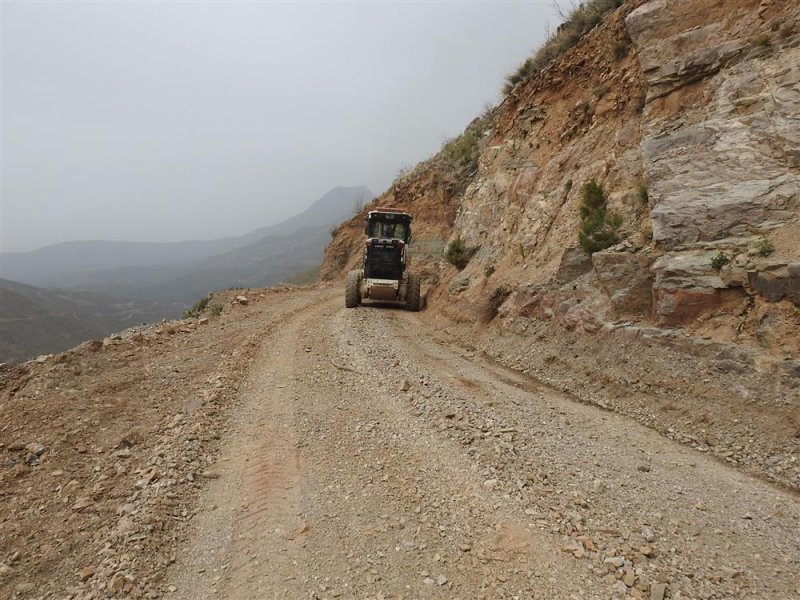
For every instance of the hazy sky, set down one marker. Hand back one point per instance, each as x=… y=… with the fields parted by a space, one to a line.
x=165 y=121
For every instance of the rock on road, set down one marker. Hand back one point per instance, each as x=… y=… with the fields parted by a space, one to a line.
x=369 y=459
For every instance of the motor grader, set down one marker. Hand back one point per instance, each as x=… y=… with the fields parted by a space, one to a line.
x=383 y=274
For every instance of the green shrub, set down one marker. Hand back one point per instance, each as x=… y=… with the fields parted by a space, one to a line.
x=644 y=196
x=620 y=50
x=197 y=309
x=599 y=228
x=216 y=310
x=488 y=271
x=765 y=247
x=568 y=185
x=719 y=260
x=463 y=151
x=458 y=254
x=522 y=73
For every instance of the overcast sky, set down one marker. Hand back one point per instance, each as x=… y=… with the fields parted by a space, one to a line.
x=165 y=121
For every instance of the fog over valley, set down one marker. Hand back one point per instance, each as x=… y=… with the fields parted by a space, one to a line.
x=177 y=121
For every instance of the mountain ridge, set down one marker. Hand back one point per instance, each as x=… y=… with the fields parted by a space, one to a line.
x=54 y=265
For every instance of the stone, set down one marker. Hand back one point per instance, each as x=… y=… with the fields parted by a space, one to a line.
x=580 y=317
x=91 y=345
x=202 y=321
x=81 y=504
x=489 y=484
x=776 y=282
x=36 y=448
x=658 y=591
x=628 y=577
x=686 y=286
x=243 y=300
x=125 y=525
x=626 y=279
x=441 y=580
x=720 y=171
x=117 y=582
x=574 y=263
x=458 y=284
x=86 y=573
x=405 y=385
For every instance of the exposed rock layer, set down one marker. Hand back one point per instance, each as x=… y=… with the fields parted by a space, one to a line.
x=688 y=113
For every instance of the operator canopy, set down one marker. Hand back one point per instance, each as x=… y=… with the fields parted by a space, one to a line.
x=386 y=224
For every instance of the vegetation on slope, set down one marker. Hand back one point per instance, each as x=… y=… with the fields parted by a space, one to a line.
x=582 y=19
x=599 y=228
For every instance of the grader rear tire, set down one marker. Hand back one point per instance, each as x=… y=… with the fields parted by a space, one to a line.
x=412 y=293
x=352 y=292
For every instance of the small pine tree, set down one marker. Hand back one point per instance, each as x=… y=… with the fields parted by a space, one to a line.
x=599 y=228
x=458 y=254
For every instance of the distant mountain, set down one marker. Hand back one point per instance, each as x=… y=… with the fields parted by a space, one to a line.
x=273 y=259
x=94 y=264
x=171 y=276
x=36 y=321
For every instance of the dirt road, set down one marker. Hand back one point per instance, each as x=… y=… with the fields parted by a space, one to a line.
x=366 y=458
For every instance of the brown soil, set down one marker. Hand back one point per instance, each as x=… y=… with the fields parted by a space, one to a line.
x=295 y=449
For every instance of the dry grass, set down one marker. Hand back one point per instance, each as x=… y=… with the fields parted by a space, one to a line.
x=582 y=19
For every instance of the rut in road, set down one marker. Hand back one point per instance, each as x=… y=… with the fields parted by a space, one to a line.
x=473 y=482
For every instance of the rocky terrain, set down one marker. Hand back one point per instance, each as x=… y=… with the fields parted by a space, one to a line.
x=691 y=126
x=292 y=448
x=554 y=425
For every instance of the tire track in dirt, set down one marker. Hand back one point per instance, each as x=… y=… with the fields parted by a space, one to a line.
x=474 y=482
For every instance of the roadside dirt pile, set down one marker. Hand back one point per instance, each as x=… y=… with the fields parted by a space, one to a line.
x=686 y=115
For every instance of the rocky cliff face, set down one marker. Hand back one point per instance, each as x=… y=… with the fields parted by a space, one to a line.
x=688 y=113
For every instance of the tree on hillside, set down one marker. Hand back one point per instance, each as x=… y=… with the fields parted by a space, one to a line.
x=599 y=228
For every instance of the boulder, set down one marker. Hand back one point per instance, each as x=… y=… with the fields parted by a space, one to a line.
x=574 y=263
x=458 y=284
x=685 y=287
x=627 y=279
x=776 y=282
x=721 y=146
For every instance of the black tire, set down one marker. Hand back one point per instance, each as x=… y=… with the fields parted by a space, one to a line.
x=352 y=292
x=412 y=293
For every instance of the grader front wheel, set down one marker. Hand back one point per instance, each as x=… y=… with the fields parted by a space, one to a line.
x=352 y=293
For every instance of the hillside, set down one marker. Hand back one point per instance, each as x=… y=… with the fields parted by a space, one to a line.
x=689 y=126
x=38 y=321
x=613 y=415
x=152 y=281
